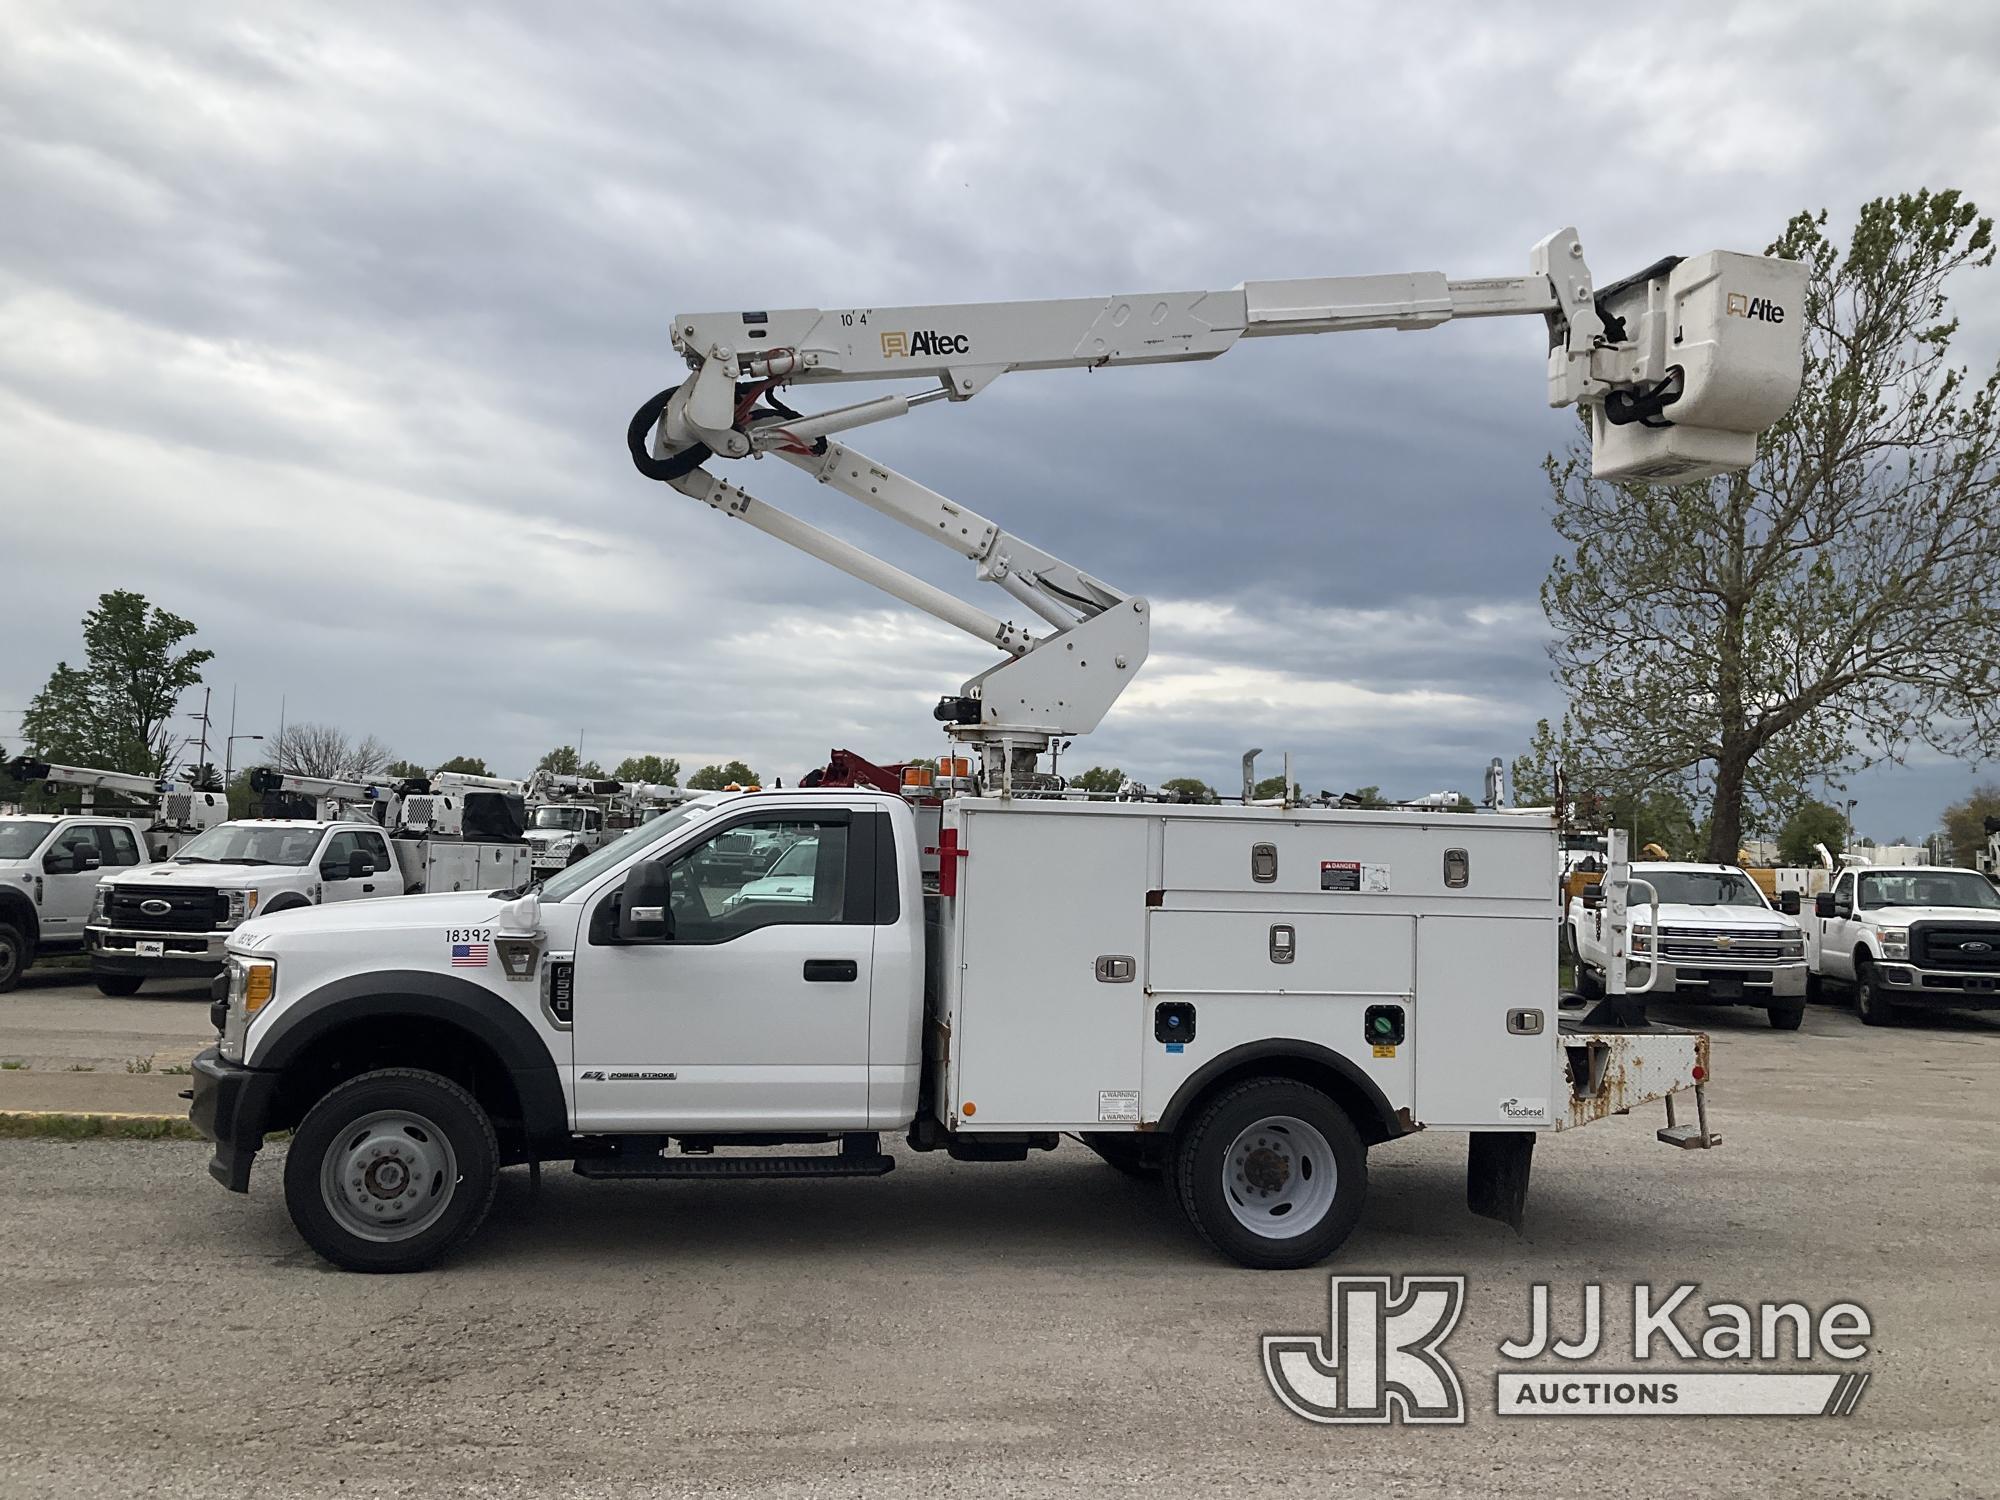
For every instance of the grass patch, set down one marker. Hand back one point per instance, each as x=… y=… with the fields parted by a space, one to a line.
x=19 y=1126
x=139 y=1065
x=178 y=1070
x=14 y=1064
x=80 y=1068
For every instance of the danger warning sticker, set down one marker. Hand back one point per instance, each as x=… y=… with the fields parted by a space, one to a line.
x=1352 y=875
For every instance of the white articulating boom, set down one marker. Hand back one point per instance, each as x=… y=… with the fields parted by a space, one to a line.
x=1682 y=368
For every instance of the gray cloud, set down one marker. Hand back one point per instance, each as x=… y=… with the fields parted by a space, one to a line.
x=322 y=328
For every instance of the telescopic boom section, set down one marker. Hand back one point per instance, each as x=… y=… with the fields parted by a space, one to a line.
x=1682 y=368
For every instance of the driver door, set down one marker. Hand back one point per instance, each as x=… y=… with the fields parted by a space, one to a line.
x=752 y=1014
x=1836 y=933
x=337 y=867
x=71 y=867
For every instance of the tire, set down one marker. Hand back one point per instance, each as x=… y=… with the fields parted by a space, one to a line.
x=15 y=956
x=1875 y=1011
x=1261 y=1152
x=1588 y=984
x=118 y=985
x=1787 y=1018
x=1125 y=1154
x=1815 y=991
x=391 y=1171
x=574 y=856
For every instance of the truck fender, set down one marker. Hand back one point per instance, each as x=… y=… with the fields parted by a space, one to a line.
x=1356 y=1091
x=399 y=994
x=284 y=901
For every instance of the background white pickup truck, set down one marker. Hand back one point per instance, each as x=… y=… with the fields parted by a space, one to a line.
x=49 y=869
x=1720 y=942
x=1915 y=935
x=173 y=919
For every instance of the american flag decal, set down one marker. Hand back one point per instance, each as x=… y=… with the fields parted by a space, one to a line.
x=468 y=955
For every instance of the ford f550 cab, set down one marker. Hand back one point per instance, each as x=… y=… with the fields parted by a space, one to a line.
x=49 y=870
x=1908 y=937
x=1716 y=938
x=1241 y=1001
x=173 y=919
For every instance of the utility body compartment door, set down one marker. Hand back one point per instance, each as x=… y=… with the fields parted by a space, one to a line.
x=1473 y=1069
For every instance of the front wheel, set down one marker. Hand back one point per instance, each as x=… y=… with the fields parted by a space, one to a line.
x=1272 y=1173
x=119 y=985
x=1868 y=998
x=13 y=956
x=1787 y=1018
x=391 y=1170
x=1588 y=984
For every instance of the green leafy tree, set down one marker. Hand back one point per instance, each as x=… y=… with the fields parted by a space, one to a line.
x=1810 y=824
x=1191 y=787
x=1365 y=796
x=1273 y=787
x=405 y=770
x=1098 y=779
x=658 y=770
x=1965 y=823
x=465 y=765
x=1836 y=604
x=564 y=760
x=720 y=778
x=116 y=712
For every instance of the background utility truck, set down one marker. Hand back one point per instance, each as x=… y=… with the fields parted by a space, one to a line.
x=172 y=919
x=1914 y=936
x=49 y=868
x=1717 y=939
x=1245 y=999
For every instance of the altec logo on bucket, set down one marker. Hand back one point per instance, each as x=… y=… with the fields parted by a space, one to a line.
x=925 y=341
x=1384 y=1361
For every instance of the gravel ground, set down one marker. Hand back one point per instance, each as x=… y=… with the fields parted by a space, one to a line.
x=1003 y=1329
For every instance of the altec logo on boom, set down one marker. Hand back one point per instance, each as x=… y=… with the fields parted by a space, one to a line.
x=924 y=341
x=1761 y=308
x=1383 y=1358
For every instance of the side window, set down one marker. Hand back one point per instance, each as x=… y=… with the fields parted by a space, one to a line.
x=375 y=848
x=766 y=873
x=339 y=850
x=1843 y=895
x=117 y=845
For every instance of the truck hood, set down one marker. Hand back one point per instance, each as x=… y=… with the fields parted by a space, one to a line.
x=212 y=877
x=547 y=835
x=390 y=913
x=1721 y=918
x=1903 y=916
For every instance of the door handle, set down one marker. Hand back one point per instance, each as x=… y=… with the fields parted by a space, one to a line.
x=366 y=888
x=832 y=971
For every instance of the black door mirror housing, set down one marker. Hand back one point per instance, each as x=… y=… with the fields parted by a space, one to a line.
x=645 y=909
x=1592 y=898
x=1823 y=904
x=360 y=866
x=1788 y=903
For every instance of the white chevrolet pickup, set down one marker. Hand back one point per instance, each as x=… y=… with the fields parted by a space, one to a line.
x=1907 y=937
x=1719 y=941
x=1241 y=1000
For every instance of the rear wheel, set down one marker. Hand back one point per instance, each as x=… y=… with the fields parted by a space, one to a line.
x=119 y=984
x=1875 y=1009
x=13 y=956
x=391 y=1170
x=1272 y=1173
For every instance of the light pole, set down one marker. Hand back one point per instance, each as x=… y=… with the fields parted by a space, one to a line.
x=1849 y=806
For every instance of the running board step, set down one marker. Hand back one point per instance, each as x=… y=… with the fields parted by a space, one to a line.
x=843 y=1165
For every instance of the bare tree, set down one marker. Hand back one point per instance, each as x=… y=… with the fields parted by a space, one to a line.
x=1768 y=632
x=323 y=750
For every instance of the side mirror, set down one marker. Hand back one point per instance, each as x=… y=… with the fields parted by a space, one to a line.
x=645 y=912
x=359 y=866
x=1592 y=898
x=1823 y=904
x=1788 y=903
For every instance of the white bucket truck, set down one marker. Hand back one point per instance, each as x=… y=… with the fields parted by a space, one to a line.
x=1243 y=1000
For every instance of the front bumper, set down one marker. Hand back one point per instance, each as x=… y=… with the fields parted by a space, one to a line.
x=231 y=1105
x=1731 y=984
x=115 y=950
x=1955 y=989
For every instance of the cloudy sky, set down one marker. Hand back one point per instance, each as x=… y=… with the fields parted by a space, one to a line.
x=321 y=327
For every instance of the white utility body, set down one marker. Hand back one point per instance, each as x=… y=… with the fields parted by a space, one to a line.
x=1242 y=999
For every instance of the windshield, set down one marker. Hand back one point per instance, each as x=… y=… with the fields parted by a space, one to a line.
x=251 y=844
x=20 y=837
x=558 y=817
x=622 y=848
x=1700 y=887
x=1930 y=888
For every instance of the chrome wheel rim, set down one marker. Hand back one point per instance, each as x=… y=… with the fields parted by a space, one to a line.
x=1279 y=1177
x=10 y=959
x=388 y=1176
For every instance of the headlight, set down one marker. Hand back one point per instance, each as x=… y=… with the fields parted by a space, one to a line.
x=253 y=982
x=1895 y=942
x=1642 y=939
x=97 y=906
x=242 y=907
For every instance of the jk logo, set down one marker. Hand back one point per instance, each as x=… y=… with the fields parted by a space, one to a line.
x=1383 y=1360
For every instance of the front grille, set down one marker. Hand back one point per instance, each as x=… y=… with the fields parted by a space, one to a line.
x=1944 y=945
x=189 y=909
x=1745 y=944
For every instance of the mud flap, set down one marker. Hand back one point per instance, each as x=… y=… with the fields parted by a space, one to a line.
x=1496 y=1175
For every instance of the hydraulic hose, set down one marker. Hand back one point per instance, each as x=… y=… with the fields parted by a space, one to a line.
x=668 y=469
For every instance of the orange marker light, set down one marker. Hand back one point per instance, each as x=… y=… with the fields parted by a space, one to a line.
x=968 y=1109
